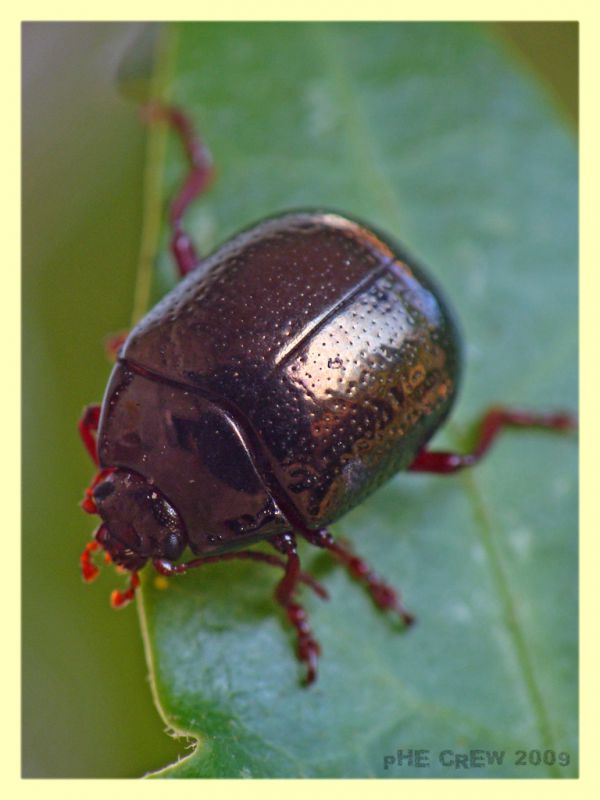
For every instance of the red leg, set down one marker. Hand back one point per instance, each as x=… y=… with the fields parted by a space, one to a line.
x=88 y=425
x=382 y=593
x=198 y=178
x=308 y=647
x=167 y=568
x=491 y=424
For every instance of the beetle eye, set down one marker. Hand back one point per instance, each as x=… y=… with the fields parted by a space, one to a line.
x=173 y=546
x=103 y=490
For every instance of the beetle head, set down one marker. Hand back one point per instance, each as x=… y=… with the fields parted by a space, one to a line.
x=138 y=521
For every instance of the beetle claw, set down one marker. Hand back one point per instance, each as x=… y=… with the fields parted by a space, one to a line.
x=309 y=649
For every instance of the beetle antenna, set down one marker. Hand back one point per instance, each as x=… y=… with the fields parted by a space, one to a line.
x=89 y=570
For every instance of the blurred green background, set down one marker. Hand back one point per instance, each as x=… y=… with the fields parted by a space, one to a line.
x=87 y=710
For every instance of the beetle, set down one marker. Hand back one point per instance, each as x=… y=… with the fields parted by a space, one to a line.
x=286 y=377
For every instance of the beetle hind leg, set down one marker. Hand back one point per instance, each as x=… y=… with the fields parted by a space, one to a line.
x=198 y=179
x=384 y=596
x=490 y=425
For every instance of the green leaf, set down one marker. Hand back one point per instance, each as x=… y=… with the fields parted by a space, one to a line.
x=428 y=132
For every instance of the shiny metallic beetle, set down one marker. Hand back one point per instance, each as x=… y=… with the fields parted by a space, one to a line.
x=280 y=383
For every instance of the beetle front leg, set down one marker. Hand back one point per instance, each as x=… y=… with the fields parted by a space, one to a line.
x=382 y=593
x=168 y=569
x=88 y=425
x=308 y=647
x=491 y=424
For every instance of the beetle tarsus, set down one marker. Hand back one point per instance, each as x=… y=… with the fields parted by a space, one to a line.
x=308 y=648
x=490 y=425
x=384 y=596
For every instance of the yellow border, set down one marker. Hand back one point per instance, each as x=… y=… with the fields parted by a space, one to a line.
x=590 y=338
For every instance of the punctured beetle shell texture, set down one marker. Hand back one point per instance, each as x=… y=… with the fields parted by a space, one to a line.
x=295 y=370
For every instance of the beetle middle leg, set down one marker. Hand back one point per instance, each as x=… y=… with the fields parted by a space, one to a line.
x=490 y=425
x=308 y=647
x=382 y=593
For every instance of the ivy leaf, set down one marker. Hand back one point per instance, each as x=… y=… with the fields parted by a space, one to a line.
x=431 y=134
